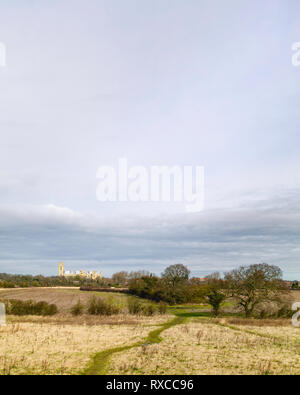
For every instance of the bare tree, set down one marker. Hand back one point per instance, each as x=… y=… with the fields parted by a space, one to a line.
x=120 y=278
x=176 y=274
x=253 y=285
x=139 y=274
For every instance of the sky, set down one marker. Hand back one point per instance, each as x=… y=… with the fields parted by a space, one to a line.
x=159 y=82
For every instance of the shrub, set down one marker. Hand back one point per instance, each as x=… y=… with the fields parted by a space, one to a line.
x=273 y=311
x=162 y=308
x=29 y=307
x=135 y=306
x=149 y=309
x=77 y=309
x=43 y=308
x=52 y=309
x=92 y=306
x=99 y=306
x=263 y=314
x=285 y=312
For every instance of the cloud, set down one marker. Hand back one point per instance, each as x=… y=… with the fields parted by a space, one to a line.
x=267 y=230
x=159 y=87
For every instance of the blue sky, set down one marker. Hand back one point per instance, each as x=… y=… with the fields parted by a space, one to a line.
x=181 y=82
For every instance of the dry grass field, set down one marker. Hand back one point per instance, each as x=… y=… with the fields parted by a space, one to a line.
x=42 y=348
x=206 y=348
x=194 y=344
x=64 y=344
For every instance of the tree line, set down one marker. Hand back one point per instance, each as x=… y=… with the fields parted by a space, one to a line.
x=25 y=281
x=248 y=288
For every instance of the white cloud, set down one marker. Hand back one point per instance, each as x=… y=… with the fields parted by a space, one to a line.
x=155 y=83
x=213 y=240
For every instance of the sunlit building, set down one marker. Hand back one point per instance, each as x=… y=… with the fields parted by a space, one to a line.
x=82 y=273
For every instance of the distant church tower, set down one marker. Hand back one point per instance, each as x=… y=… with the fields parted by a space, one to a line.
x=61 y=269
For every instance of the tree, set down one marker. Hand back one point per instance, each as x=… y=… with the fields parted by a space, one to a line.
x=252 y=285
x=214 y=293
x=144 y=287
x=120 y=278
x=175 y=275
x=139 y=274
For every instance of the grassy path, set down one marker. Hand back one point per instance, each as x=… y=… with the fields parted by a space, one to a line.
x=100 y=361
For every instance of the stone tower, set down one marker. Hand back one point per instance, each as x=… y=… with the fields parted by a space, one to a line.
x=61 y=269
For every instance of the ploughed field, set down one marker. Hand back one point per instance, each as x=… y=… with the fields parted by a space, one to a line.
x=64 y=298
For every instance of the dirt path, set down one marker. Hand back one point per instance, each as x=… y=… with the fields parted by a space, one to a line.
x=100 y=361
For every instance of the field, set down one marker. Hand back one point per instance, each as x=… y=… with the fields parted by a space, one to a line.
x=64 y=298
x=186 y=341
x=214 y=348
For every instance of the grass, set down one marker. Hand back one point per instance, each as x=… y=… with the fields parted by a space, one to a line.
x=187 y=341
x=53 y=345
x=194 y=311
x=208 y=348
x=32 y=348
x=100 y=361
x=89 y=320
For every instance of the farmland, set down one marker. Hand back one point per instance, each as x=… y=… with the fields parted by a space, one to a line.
x=64 y=298
x=184 y=341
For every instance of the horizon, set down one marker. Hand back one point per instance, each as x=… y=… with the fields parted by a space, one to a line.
x=171 y=84
x=104 y=276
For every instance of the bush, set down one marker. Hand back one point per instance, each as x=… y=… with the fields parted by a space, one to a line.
x=263 y=314
x=43 y=308
x=162 y=308
x=135 y=306
x=51 y=309
x=29 y=307
x=274 y=311
x=155 y=289
x=99 y=306
x=285 y=312
x=77 y=309
x=149 y=309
